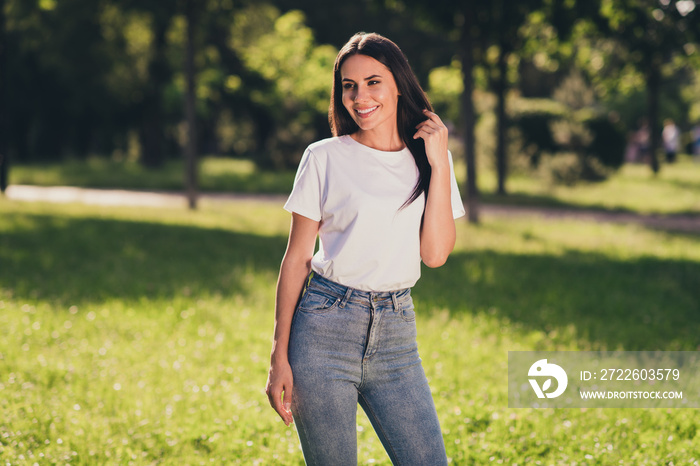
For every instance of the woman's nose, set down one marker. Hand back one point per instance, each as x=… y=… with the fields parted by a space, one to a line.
x=360 y=94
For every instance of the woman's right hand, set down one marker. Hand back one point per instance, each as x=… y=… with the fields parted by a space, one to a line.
x=279 y=380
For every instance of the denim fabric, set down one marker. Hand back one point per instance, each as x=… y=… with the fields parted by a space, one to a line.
x=348 y=347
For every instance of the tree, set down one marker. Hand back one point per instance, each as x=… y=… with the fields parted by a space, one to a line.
x=152 y=121
x=190 y=111
x=467 y=40
x=3 y=101
x=159 y=74
x=59 y=101
x=651 y=32
x=506 y=18
x=478 y=26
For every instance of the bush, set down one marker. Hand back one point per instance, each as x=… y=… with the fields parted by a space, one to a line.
x=609 y=140
x=571 y=124
x=607 y=144
x=531 y=118
x=561 y=168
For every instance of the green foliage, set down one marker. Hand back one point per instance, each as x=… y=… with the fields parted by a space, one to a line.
x=91 y=74
x=282 y=50
x=571 y=125
x=445 y=85
x=608 y=144
x=533 y=117
x=619 y=81
x=142 y=336
x=561 y=168
x=572 y=132
x=56 y=91
x=128 y=37
x=106 y=77
x=616 y=45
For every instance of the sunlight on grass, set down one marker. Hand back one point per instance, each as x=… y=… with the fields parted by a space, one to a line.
x=675 y=190
x=215 y=174
x=141 y=336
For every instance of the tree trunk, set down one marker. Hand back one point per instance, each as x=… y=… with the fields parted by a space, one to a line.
x=653 y=89
x=191 y=146
x=501 y=87
x=467 y=104
x=3 y=101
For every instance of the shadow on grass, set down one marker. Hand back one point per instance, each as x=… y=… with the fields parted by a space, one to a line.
x=78 y=260
x=533 y=200
x=640 y=304
x=631 y=304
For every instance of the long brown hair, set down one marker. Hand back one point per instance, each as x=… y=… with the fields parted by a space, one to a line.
x=412 y=100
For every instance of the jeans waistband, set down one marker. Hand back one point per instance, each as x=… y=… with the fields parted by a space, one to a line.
x=346 y=293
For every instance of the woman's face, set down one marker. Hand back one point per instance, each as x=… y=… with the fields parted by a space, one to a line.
x=370 y=94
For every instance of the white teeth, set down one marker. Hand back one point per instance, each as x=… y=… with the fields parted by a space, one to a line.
x=363 y=112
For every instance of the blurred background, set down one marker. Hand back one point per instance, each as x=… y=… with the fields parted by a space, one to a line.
x=95 y=93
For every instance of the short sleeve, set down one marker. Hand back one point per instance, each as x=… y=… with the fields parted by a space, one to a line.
x=305 y=198
x=457 y=205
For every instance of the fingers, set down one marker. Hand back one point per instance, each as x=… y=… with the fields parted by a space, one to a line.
x=429 y=125
x=435 y=136
x=283 y=408
x=423 y=133
x=432 y=117
x=287 y=402
x=433 y=125
x=425 y=128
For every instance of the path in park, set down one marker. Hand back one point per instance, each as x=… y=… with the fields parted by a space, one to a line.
x=115 y=197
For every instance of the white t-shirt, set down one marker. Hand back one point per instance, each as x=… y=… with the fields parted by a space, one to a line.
x=366 y=240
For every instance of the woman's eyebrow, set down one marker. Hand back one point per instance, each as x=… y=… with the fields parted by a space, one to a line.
x=366 y=79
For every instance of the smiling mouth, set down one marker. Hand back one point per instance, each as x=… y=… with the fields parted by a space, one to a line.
x=365 y=112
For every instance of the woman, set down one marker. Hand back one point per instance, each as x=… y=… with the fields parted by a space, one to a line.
x=382 y=196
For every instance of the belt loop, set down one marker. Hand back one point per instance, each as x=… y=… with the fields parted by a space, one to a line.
x=348 y=293
x=395 y=301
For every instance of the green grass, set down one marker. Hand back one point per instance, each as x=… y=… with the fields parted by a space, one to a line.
x=675 y=190
x=215 y=174
x=634 y=188
x=141 y=336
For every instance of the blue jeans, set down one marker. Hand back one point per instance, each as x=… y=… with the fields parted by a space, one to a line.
x=347 y=347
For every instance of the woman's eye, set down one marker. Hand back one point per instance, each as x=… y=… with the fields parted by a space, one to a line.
x=373 y=82
x=347 y=86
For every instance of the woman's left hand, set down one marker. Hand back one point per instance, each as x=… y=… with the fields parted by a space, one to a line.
x=435 y=135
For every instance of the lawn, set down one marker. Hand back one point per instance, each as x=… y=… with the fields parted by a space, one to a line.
x=141 y=336
x=634 y=188
x=215 y=174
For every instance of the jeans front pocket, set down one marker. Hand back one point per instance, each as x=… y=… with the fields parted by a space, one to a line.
x=317 y=302
x=407 y=309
